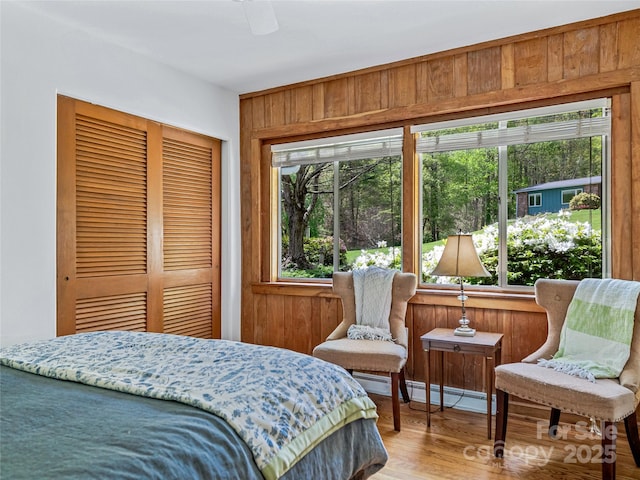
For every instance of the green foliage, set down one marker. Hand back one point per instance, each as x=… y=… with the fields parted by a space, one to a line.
x=321 y=271
x=526 y=266
x=459 y=189
x=585 y=201
x=319 y=250
x=370 y=201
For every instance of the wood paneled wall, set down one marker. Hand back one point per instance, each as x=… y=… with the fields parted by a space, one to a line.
x=591 y=59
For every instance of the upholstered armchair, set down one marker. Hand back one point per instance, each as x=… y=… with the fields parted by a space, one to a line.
x=607 y=400
x=372 y=355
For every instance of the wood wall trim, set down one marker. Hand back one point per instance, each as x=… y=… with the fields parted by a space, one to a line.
x=620 y=186
x=448 y=296
x=594 y=86
x=410 y=203
x=294 y=289
x=634 y=196
x=486 y=300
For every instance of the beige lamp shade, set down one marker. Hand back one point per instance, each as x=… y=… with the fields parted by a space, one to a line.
x=460 y=259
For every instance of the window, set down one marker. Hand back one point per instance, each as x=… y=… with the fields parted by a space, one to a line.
x=567 y=195
x=535 y=199
x=477 y=175
x=340 y=203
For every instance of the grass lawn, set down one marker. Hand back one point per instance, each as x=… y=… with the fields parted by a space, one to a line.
x=593 y=216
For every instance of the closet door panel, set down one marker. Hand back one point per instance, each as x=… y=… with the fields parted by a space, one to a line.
x=190 y=176
x=187 y=209
x=115 y=312
x=188 y=310
x=102 y=219
x=111 y=199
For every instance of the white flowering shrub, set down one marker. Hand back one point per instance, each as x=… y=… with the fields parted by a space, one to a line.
x=430 y=260
x=379 y=258
x=537 y=247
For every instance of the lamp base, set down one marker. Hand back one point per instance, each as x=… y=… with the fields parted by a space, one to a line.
x=464 y=331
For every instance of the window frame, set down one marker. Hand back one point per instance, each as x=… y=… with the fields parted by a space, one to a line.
x=501 y=119
x=536 y=203
x=575 y=191
x=369 y=145
x=411 y=199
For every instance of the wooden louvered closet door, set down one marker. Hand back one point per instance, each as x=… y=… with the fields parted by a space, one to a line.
x=138 y=224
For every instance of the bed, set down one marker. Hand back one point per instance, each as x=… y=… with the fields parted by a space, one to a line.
x=147 y=405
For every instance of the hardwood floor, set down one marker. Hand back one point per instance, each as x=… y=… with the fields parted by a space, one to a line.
x=457 y=447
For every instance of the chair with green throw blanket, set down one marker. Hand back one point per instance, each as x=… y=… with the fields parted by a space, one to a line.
x=589 y=364
x=372 y=335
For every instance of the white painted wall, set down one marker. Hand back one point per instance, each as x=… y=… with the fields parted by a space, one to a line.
x=41 y=57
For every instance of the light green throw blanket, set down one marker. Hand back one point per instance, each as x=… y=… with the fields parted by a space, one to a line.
x=595 y=341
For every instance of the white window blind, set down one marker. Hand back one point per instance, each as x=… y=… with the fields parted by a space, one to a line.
x=494 y=137
x=544 y=132
x=359 y=146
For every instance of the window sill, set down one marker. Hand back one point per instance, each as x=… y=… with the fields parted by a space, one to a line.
x=486 y=297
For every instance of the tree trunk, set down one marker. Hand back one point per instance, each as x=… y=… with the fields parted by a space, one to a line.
x=297 y=227
x=295 y=189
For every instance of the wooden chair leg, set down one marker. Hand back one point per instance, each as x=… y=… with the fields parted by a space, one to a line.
x=502 y=410
x=395 y=401
x=609 y=434
x=631 y=426
x=554 y=420
x=403 y=387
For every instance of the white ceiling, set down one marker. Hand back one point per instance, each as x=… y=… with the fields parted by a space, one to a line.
x=211 y=39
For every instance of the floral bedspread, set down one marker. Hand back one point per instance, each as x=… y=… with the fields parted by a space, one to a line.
x=281 y=403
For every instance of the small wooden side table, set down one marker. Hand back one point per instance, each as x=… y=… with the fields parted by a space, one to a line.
x=489 y=345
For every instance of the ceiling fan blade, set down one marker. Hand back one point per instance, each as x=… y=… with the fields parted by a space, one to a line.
x=261 y=17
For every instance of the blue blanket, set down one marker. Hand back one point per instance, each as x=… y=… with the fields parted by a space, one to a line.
x=53 y=429
x=279 y=402
x=57 y=430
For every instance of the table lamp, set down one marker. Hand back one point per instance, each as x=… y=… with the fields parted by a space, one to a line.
x=460 y=259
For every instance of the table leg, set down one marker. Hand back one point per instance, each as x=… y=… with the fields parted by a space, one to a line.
x=489 y=388
x=427 y=385
x=441 y=381
x=497 y=360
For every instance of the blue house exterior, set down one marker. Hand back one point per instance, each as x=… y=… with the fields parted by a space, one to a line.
x=554 y=196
